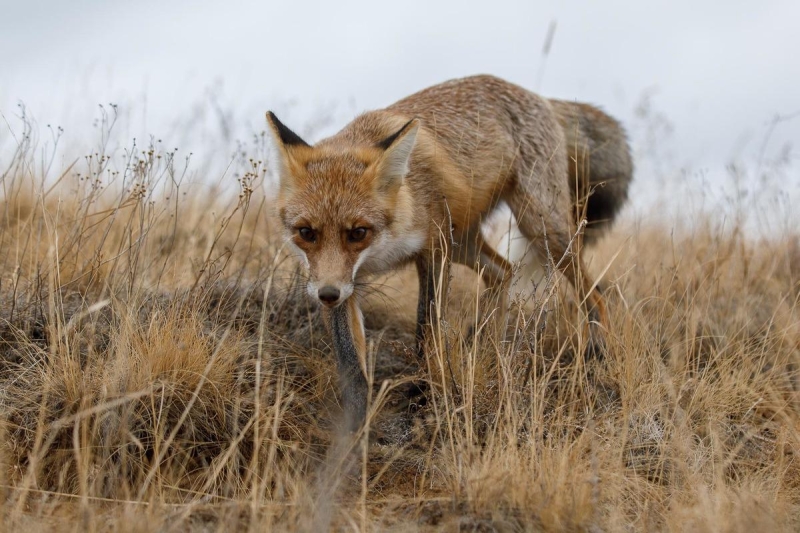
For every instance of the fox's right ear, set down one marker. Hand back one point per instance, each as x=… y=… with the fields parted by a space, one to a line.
x=284 y=141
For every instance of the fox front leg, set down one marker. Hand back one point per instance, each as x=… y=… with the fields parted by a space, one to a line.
x=427 y=299
x=347 y=328
x=433 y=272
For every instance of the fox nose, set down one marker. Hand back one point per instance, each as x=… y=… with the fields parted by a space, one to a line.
x=329 y=295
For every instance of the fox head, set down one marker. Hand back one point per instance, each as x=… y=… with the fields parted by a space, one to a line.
x=344 y=207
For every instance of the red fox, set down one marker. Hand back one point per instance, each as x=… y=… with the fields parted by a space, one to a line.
x=413 y=183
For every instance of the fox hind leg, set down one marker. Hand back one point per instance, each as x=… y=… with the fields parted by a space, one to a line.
x=497 y=274
x=546 y=224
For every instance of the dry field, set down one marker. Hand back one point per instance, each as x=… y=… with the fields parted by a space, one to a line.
x=162 y=370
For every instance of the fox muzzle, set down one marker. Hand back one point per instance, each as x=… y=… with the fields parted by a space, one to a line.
x=329 y=295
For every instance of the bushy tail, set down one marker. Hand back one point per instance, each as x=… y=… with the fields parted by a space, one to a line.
x=600 y=164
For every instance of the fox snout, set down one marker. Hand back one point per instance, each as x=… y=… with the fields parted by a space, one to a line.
x=330 y=294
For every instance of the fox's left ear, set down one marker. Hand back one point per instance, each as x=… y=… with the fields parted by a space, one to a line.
x=394 y=163
x=285 y=140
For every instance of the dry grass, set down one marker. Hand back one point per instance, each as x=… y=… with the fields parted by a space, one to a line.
x=161 y=369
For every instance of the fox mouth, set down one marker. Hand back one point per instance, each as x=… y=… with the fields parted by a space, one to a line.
x=330 y=305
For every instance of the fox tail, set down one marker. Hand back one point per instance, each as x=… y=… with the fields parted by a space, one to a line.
x=600 y=164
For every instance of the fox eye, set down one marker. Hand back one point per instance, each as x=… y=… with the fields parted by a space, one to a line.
x=307 y=234
x=357 y=234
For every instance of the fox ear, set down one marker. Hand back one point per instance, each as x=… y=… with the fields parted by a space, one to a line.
x=394 y=163
x=284 y=140
x=282 y=134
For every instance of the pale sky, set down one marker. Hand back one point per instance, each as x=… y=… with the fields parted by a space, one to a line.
x=719 y=71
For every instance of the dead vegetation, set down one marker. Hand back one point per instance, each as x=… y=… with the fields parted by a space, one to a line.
x=162 y=369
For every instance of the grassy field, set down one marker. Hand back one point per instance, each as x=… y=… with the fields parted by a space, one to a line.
x=162 y=369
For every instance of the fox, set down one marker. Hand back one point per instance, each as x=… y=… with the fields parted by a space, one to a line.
x=413 y=182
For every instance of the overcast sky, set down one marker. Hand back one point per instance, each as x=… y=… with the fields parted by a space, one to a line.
x=719 y=71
